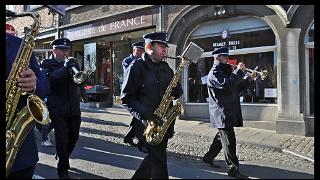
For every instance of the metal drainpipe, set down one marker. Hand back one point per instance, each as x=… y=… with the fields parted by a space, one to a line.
x=58 y=27
x=161 y=18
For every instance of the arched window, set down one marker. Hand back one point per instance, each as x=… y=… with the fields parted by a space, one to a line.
x=309 y=54
x=251 y=41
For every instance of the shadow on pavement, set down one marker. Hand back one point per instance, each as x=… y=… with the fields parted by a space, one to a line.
x=104 y=152
x=115 y=159
x=49 y=172
x=195 y=169
x=77 y=173
x=102 y=122
x=122 y=111
x=99 y=132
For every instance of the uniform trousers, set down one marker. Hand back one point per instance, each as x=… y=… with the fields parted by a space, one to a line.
x=154 y=165
x=26 y=173
x=225 y=139
x=131 y=132
x=66 y=136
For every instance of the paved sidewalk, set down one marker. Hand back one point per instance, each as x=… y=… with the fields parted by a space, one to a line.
x=296 y=145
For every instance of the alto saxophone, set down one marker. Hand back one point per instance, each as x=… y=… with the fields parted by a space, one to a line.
x=19 y=123
x=154 y=133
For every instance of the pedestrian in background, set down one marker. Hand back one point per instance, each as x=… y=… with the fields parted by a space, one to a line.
x=137 y=51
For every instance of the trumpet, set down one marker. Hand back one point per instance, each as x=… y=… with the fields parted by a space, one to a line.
x=78 y=76
x=253 y=72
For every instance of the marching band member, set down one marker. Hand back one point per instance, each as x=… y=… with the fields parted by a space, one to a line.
x=146 y=83
x=63 y=102
x=31 y=80
x=224 y=87
x=137 y=51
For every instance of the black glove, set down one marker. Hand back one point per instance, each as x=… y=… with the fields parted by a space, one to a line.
x=70 y=63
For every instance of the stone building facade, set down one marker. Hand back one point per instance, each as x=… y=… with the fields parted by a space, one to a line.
x=274 y=38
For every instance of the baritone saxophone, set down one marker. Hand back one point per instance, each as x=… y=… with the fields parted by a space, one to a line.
x=155 y=132
x=19 y=122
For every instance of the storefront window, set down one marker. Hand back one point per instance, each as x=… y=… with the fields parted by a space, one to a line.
x=121 y=50
x=264 y=90
x=98 y=63
x=42 y=54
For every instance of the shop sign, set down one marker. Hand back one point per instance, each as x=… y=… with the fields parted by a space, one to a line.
x=225 y=34
x=230 y=44
x=109 y=27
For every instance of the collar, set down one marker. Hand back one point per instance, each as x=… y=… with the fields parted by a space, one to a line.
x=56 y=59
x=133 y=57
x=147 y=60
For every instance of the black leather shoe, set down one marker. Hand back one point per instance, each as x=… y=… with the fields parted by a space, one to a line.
x=238 y=175
x=210 y=162
x=143 y=148
x=64 y=176
x=129 y=141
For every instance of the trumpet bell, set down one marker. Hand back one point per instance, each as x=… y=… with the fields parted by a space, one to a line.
x=79 y=77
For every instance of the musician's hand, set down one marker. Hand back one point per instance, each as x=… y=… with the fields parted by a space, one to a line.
x=157 y=120
x=70 y=63
x=27 y=80
x=144 y=122
x=254 y=75
x=241 y=66
x=149 y=116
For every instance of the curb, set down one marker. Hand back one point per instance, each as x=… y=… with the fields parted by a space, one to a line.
x=298 y=154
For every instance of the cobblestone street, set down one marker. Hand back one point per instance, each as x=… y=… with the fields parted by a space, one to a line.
x=195 y=145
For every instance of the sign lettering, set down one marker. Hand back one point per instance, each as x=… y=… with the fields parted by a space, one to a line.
x=103 y=28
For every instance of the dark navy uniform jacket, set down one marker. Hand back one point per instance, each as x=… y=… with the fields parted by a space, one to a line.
x=144 y=87
x=125 y=64
x=64 y=97
x=224 y=87
x=27 y=155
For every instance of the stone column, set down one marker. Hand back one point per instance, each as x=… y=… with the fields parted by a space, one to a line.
x=290 y=119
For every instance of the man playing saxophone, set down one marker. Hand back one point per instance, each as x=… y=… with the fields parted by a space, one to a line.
x=31 y=81
x=143 y=88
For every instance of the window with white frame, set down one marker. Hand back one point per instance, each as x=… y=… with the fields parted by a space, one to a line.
x=251 y=41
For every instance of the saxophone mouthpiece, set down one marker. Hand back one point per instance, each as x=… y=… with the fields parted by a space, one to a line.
x=170 y=57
